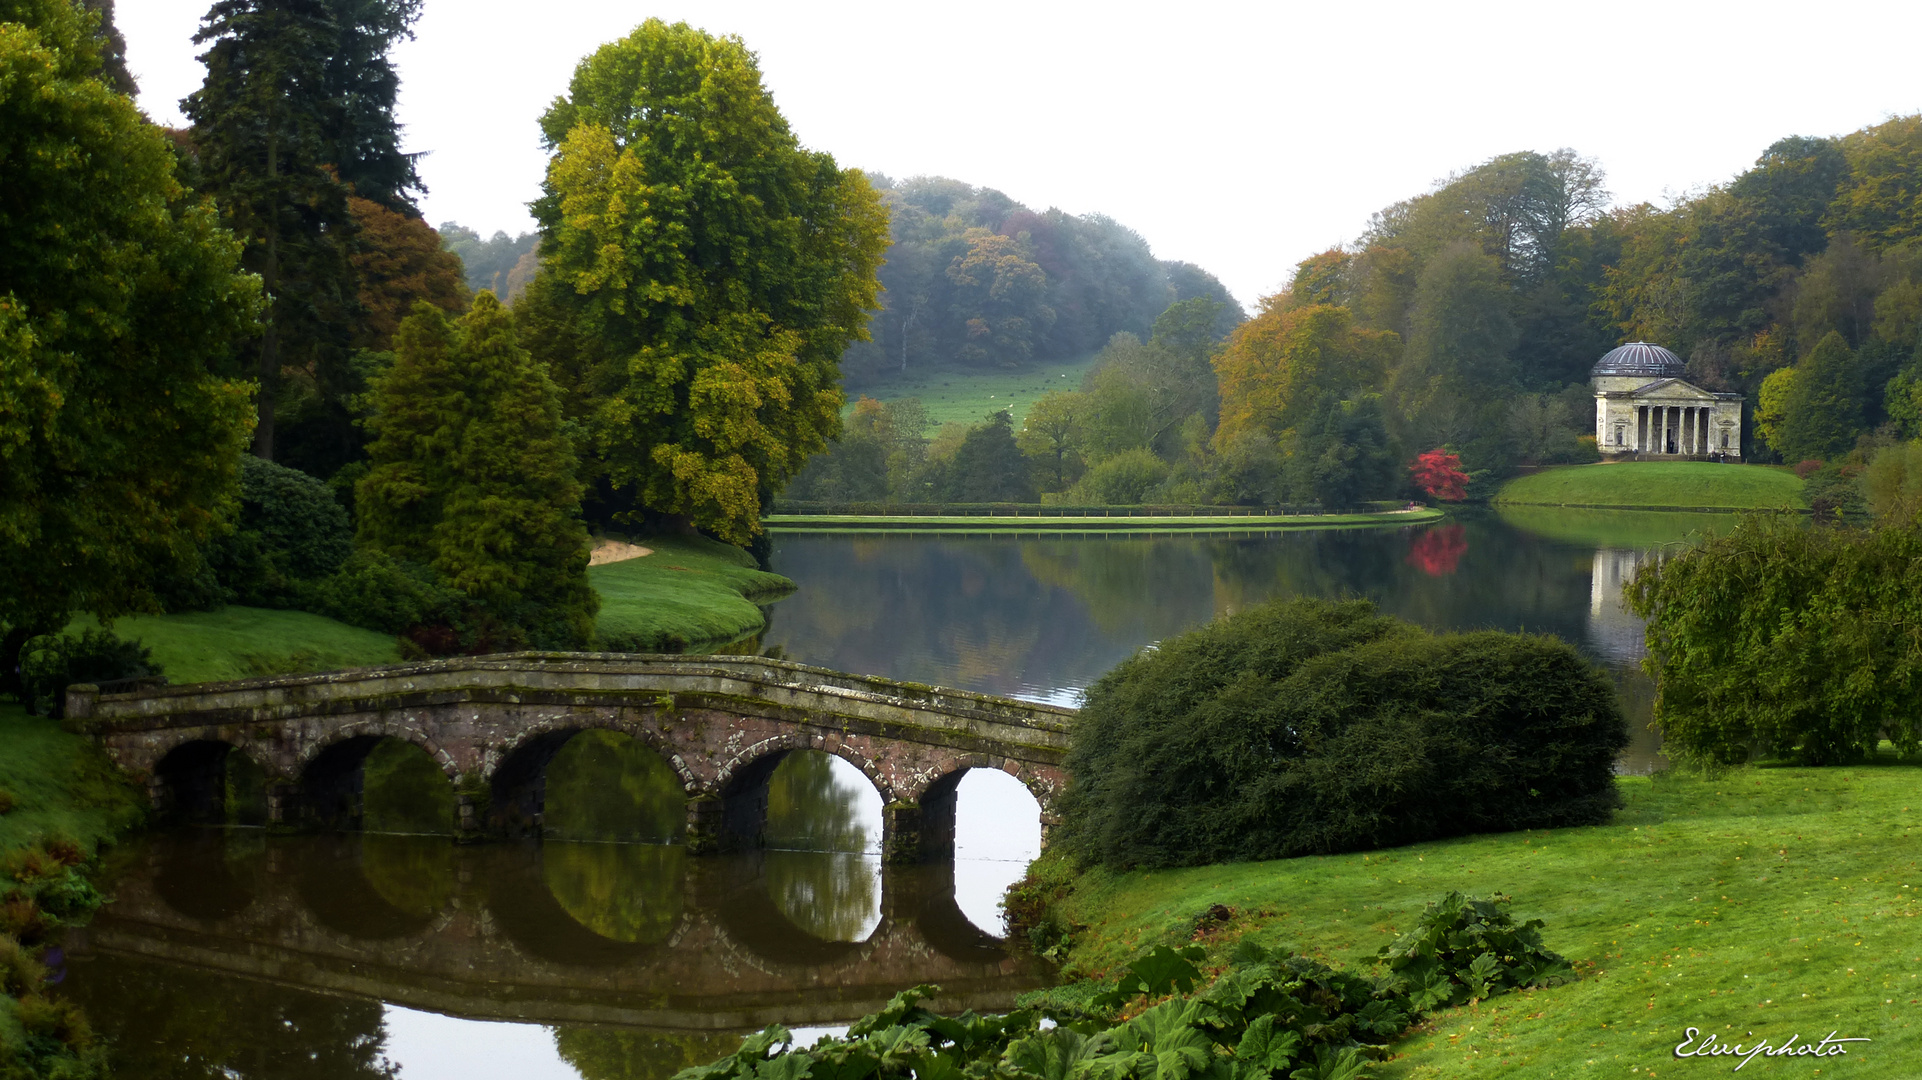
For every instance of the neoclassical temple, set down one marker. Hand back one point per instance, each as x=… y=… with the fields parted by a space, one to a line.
x=1644 y=409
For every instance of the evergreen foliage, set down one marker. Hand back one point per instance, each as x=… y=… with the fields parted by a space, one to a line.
x=701 y=274
x=988 y=467
x=1307 y=726
x=1821 y=409
x=291 y=531
x=1781 y=640
x=472 y=475
x=120 y=301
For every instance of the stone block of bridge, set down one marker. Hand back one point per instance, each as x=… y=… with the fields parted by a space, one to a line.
x=494 y=723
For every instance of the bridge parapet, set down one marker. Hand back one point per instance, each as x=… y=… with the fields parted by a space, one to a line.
x=495 y=721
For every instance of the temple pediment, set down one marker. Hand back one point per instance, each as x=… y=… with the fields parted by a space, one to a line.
x=1672 y=390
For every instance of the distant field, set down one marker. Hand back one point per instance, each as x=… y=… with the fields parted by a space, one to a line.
x=242 y=642
x=964 y=397
x=1646 y=484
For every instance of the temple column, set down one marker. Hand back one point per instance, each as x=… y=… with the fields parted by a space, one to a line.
x=1641 y=429
x=1688 y=430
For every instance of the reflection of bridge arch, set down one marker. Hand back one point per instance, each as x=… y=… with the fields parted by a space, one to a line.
x=521 y=901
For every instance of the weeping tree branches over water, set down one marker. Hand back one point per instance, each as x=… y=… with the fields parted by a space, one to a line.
x=1778 y=639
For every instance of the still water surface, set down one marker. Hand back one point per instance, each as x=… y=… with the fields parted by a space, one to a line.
x=227 y=953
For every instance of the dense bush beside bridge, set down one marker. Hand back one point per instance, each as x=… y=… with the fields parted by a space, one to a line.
x=1310 y=726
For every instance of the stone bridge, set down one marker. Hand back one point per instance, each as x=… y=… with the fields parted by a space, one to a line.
x=493 y=723
x=495 y=933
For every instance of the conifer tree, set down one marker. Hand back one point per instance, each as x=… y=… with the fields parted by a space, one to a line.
x=473 y=476
x=1822 y=408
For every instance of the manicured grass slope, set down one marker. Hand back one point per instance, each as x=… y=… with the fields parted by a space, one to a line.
x=1659 y=484
x=965 y=397
x=1775 y=901
x=243 y=642
x=691 y=592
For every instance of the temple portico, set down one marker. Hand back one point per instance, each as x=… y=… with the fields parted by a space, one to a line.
x=1644 y=408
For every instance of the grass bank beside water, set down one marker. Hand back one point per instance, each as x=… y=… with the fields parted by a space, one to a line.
x=59 y=788
x=1776 y=901
x=1119 y=521
x=691 y=593
x=1659 y=485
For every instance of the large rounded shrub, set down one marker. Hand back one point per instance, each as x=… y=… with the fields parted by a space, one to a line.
x=1310 y=726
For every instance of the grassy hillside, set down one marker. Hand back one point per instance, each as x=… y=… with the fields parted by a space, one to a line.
x=1659 y=484
x=1772 y=900
x=243 y=642
x=965 y=396
x=691 y=592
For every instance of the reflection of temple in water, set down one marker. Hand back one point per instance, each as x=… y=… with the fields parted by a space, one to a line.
x=1614 y=631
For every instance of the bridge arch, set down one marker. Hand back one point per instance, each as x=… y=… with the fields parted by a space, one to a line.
x=331 y=779
x=937 y=799
x=516 y=771
x=405 y=729
x=209 y=780
x=741 y=784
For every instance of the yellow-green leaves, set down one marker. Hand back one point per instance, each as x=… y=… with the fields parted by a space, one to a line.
x=702 y=275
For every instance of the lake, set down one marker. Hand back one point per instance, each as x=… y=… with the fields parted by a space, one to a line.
x=231 y=953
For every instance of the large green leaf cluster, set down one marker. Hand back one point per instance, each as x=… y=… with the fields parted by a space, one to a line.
x=473 y=476
x=701 y=273
x=120 y=299
x=1309 y=726
x=1269 y=1015
x=1779 y=639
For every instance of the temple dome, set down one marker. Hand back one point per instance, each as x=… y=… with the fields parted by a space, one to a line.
x=1639 y=358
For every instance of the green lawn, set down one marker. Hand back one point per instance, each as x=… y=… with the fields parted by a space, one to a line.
x=1659 y=484
x=691 y=592
x=1772 y=900
x=242 y=642
x=966 y=396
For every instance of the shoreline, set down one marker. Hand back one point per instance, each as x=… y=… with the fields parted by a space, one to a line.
x=1089 y=524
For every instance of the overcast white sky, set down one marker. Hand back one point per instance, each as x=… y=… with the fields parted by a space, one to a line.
x=1242 y=137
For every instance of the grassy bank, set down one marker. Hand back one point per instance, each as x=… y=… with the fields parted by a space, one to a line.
x=244 y=642
x=1776 y=901
x=691 y=592
x=1119 y=522
x=63 y=796
x=965 y=396
x=1689 y=485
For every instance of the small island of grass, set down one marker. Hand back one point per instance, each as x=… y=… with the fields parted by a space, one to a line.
x=1659 y=485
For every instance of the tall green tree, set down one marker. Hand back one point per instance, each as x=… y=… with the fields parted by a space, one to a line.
x=988 y=467
x=473 y=476
x=261 y=129
x=1460 y=333
x=703 y=273
x=1822 y=406
x=120 y=299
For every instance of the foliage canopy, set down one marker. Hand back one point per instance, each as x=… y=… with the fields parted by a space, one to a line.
x=701 y=274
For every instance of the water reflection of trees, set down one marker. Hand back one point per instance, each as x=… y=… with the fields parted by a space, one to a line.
x=624 y=892
x=413 y=873
x=171 y=1022
x=615 y=1054
x=604 y=785
x=813 y=806
x=832 y=896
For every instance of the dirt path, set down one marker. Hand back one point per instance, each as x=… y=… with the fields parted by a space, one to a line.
x=610 y=551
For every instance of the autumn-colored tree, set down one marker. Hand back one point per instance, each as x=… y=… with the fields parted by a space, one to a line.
x=1051 y=436
x=1439 y=473
x=399 y=260
x=1002 y=297
x=472 y=475
x=701 y=274
x=121 y=299
x=1279 y=364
